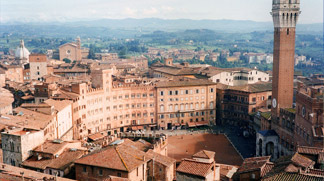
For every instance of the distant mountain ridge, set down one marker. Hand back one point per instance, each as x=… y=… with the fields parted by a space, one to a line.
x=153 y=24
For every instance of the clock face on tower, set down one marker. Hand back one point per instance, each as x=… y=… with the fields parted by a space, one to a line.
x=274 y=103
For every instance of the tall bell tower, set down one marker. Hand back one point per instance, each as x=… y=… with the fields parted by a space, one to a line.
x=285 y=15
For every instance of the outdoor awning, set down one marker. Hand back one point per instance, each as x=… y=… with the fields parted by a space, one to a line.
x=134 y=128
x=96 y=137
x=202 y=123
x=177 y=124
x=192 y=124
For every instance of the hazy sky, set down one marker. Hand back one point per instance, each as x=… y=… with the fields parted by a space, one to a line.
x=67 y=10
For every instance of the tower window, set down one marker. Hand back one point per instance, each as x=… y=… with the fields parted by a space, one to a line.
x=287 y=31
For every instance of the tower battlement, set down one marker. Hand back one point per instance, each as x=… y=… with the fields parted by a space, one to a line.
x=285 y=13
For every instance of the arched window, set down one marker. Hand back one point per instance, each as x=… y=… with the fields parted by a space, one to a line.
x=203 y=105
x=181 y=107
x=197 y=105
x=162 y=108
x=170 y=107
x=287 y=31
x=260 y=147
x=176 y=108
x=187 y=106
x=191 y=106
x=12 y=146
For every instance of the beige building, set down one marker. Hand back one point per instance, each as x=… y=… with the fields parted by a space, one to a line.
x=37 y=66
x=16 y=145
x=106 y=56
x=235 y=76
x=73 y=51
x=185 y=102
x=13 y=73
x=2 y=77
x=6 y=101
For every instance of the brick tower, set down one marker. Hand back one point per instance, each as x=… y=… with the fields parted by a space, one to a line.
x=285 y=14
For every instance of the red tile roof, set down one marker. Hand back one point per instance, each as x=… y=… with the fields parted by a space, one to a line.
x=316 y=172
x=254 y=163
x=309 y=150
x=193 y=167
x=164 y=160
x=302 y=161
x=205 y=154
x=63 y=161
x=266 y=169
x=292 y=176
x=122 y=157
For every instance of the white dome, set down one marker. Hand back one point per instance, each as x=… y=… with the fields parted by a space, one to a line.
x=21 y=52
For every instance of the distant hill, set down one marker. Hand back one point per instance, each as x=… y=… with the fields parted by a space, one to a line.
x=154 y=24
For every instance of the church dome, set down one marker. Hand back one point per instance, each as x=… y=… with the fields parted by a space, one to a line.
x=21 y=52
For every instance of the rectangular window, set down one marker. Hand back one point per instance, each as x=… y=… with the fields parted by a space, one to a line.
x=161 y=93
x=100 y=172
x=211 y=89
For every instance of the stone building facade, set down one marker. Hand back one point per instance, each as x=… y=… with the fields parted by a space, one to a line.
x=237 y=103
x=16 y=145
x=73 y=51
x=37 y=66
x=309 y=114
x=185 y=102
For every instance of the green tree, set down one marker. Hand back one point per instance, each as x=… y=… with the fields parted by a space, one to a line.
x=66 y=60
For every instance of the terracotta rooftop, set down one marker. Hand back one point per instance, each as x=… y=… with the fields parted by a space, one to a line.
x=302 y=161
x=164 y=160
x=51 y=147
x=61 y=162
x=176 y=71
x=254 y=163
x=227 y=171
x=193 y=167
x=316 y=172
x=204 y=154
x=292 y=176
x=27 y=119
x=14 y=173
x=266 y=169
x=58 y=105
x=96 y=136
x=61 y=94
x=121 y=157
x=183 y=83
x=142 y=145
x=309 y=150
x=253 y=88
